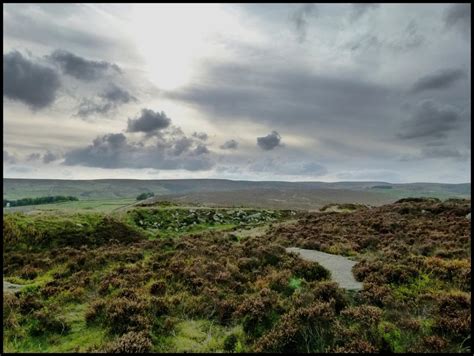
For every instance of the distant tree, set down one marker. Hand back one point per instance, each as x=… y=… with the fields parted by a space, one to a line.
x=144 y=196
x=38 y=201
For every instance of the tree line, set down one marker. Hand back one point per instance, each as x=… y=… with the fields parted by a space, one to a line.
x=39 y=200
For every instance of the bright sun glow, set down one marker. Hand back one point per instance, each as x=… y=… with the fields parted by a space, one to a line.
x=170 y=36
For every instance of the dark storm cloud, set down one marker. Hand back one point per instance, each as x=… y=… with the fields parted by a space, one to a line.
x=229 y=145
x=270 y=141
x=441 y=79
x=33 y=84
x=430 y=120
x=458 y=16
x=110 y=99
x=81 y=68
x=49 y=157
x=114 y=151
x=148 y=121
x=200 y=135
x=299 y=20
x=8 y=158
x=358 y=10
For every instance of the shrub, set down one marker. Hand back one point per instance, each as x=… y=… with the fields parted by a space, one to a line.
x=131 y=342
x=454 y=314
x=230 y=342
x=301 y=330
x=11 y=306
x=95 y=311
x=46 y=321
x=331 y=293
x=144 y=196
x=158 y=288
x=311 y=271
x=123 y=315
x=29 y=272
x=258 y=312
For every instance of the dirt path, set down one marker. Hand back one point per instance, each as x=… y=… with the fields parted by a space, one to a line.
x=10 y=287
x=339 y=266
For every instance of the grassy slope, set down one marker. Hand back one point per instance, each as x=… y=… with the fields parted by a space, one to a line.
x=121 y=188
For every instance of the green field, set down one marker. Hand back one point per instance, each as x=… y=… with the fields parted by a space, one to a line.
x=101 y=205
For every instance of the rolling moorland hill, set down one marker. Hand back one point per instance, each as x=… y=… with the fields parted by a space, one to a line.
x=306 y=195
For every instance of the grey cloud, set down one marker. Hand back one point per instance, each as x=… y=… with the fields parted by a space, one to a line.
x=270 y=141
x=458 y=16
x=358 y=10
x=171 y=151
x=50 y=157
x=8 y=158
x=437 y=153
x=365 y=42
x=106 y=101
x=81 y=68
x=47 y=25
x=300 y=20
x=33 y=84
x=229 y=145
x=430 y=120
x=33 y=157
x=148 y=121
x=201 y=149
x=89 y=107
x=306 y=168
x=406 y=40
x=288 y=97
x=117 y=95
x=441 y=79
x=287 y=167
x=107 y=151
x=182 y=145
x=444 y=152
x=200 y=135
x=21 y=169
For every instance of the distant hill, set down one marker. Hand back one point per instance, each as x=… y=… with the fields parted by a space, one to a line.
x=189 y=189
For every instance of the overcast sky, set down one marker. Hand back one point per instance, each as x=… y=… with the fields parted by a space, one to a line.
x=299 y=92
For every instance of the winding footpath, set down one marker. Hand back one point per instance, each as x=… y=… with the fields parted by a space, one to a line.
x=339 y=266
x=10 y=287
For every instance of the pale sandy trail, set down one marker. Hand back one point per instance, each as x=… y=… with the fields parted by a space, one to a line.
x=339 y=266
x=10 y=287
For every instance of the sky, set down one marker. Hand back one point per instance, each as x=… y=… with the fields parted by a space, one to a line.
x=296 y=92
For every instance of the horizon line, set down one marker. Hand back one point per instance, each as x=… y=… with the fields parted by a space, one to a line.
x=237 y=180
